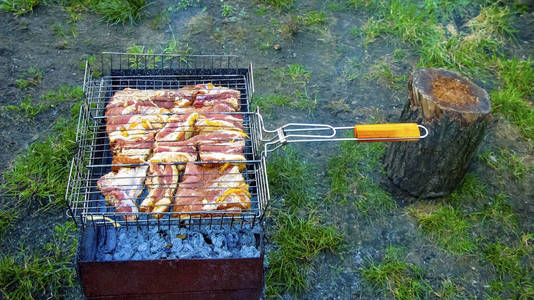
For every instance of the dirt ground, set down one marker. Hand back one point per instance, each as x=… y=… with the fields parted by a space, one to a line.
x=328 y=51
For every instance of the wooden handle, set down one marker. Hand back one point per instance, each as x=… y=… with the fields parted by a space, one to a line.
x=395 y=131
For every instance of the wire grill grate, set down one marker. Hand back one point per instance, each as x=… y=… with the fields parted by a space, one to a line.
x=94 y=159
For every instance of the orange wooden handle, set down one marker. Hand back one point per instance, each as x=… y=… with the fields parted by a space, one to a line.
x=402 y=131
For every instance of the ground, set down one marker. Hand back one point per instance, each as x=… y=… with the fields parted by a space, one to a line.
x=335 y=62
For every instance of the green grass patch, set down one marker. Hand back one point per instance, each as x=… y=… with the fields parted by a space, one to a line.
x=32 y=77
x=506 y=163
x=19 y=7
x=401 y=279
x=280 y=4
x=514 y=266
x=382 y=73
x=7 y=218
x=50 y=99
x=120 y=11
x=511 y=103
x=291 y=91
x=26 y=108
x=511 y=98
x=40 y=174
x=350 y=175
x=298 y=240
x=290 y=177
x=43 y=274
x=312 y=18
x=448 y=227
x=227 y=10
x=298 y=74
x=494 y=21
x=268 y=102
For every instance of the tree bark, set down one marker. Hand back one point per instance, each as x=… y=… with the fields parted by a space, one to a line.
x=456 y=112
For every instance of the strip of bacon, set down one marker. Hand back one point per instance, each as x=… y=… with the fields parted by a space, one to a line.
x=161 y=183
x=210 y=95
x=122 y=188
x=221 y=145
x=207 y=123
x=157 y=98
x=211 y=189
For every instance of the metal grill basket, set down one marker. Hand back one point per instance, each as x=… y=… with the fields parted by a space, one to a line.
x=117 y=71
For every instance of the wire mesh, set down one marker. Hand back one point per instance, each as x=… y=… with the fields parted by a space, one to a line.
x=87 y=204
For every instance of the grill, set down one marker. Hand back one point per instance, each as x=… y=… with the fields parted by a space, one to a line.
x=167 y=275
x=94 y=159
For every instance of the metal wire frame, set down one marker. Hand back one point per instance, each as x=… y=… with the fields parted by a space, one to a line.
x=86 y=204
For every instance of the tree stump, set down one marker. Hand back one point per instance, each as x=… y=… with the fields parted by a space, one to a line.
x=456 y=112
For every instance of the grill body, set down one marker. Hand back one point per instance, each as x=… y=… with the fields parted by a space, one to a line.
x=236 y=278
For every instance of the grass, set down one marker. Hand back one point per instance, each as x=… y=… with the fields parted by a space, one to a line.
x=8 y=216
x=289 y=178
x=312 y=18
x=227 y=10
x=478 y=50
x=32 y=77
x=514 y=266
x=401 y=279
x=297 y=73
x=494 y=21
x=120 y=11
x=382 y=72
x=184 y=4
x=40 y=173
x=291 y=91
x=350 y=174
x=50 y=99
x=448 y=227
x=280 y=4
x=26 y=108
x=511 y=98
x=506 y=163
x=43 y=274
x=19 y=7
x=298 y=240
x=63 y=94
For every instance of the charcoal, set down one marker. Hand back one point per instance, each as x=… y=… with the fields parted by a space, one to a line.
x=137 y=243
x=249 y=251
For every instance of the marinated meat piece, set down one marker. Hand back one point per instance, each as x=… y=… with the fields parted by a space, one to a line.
x=161 y=182
x=178 y=128
x=222 y=145
x=211 y=189
x=121 y=189
x=207 y=123
x=210 y=95
x=155 y=98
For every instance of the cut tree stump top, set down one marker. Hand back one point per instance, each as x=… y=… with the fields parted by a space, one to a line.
x=445 y=90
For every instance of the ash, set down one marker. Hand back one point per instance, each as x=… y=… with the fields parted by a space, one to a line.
x=147 y=243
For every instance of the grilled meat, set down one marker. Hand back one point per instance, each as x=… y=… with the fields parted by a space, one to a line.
x=122 y=188
x=211 y=189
